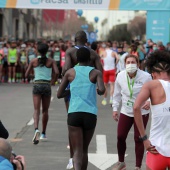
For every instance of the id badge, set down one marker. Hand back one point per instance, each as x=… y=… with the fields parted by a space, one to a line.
x=130 y=103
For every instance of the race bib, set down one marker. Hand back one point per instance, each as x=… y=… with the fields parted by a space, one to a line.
x=23 y=59
x=13 y=59
x=130 y=103
x=31 y=57
x=56 y=57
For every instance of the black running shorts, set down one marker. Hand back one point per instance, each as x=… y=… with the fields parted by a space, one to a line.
x=82 y=119
x=43 y=89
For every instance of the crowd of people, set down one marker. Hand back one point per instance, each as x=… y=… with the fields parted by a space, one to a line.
x=128 y=69
x=15 y=57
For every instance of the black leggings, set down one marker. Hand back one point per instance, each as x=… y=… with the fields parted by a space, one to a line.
x=3 y=132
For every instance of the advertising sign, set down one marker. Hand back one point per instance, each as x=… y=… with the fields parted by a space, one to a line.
x=158 y=26
x=88 y=4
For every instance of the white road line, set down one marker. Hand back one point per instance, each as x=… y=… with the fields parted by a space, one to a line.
x=101 y=159
x=101 y=144
x=31 y=122
x=52 y=98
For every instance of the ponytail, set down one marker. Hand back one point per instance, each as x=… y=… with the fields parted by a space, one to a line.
x=42 y=49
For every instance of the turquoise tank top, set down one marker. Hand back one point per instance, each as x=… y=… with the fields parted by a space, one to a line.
x=42 y=73
x=83 y=92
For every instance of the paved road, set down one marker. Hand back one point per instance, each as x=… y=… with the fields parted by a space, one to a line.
x=16 y=109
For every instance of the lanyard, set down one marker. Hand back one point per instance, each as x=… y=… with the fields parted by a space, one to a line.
x=130 y=86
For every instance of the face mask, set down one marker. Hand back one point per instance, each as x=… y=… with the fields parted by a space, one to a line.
x=154 y=48
x=104 y=45
x=131 y=68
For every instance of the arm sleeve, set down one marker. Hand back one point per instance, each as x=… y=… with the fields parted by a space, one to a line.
x=116 y=95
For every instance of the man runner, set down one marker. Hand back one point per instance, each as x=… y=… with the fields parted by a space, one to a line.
x=71 y=61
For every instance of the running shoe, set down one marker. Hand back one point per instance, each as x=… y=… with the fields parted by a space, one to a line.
x=120 y=166
x=9 y=80
x=13 y=80
x=137 y=168
x=70 y=164
x=104 y=102
x=43 y=137
x=36 y=137
x=111 y=101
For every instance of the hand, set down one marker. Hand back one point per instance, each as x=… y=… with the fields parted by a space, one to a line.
x=8 y=64
x=146 y=106
x=15 y=64
x=115 y=116
x=149 y=147
x=52 y=83
x=99 y=92
x=19 y=161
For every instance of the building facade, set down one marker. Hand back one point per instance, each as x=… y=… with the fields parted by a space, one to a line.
x=20 y=23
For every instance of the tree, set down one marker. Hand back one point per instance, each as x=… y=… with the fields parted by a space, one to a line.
x=119 y=33
x=137 y=26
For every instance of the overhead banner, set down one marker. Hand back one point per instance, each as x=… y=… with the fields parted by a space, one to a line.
x=158 y=26
x=88 y=4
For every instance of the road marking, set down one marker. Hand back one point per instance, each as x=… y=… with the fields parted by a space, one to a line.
x=101 y=144
x=52 y=98
x=31 y=122
x=101 y=159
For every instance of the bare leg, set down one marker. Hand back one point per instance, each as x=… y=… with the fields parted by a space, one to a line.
x=106 y=86
x=1 y=67
x=9 y=72
x=37 y=104
x=76 y=137
x=87 y=136
x=14 y=72
x=45 y=107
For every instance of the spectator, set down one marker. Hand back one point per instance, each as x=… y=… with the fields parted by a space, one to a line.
x=7 y=161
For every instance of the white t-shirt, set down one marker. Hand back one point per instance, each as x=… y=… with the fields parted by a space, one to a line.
x=121 y=64
x=122 y=92
x=160 y=124
x=108 y=61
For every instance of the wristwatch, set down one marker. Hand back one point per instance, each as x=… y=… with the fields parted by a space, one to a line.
x=143 y=138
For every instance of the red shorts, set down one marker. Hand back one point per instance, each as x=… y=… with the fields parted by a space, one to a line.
x=109 y=76
x=157 y=161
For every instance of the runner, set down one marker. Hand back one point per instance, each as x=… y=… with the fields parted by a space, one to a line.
x=43 y=68
x=22 y=62
x=5 y=63
x=1 y=59
x=71 y=61
x=12 y=62
x=158 y=90
x=110 y=60
x=82 y=113
x=31 y=54
x=127 y=87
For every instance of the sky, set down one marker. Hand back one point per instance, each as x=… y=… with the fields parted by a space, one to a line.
x=114 y=18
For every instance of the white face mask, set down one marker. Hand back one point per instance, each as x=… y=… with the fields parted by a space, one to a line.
x=131 y=68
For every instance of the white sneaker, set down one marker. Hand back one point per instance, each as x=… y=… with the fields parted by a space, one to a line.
x=36 y=137
x=70 y=164
x=43 y=138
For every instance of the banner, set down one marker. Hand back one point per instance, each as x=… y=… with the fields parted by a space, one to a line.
x=158 y=26
x=88 y=4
